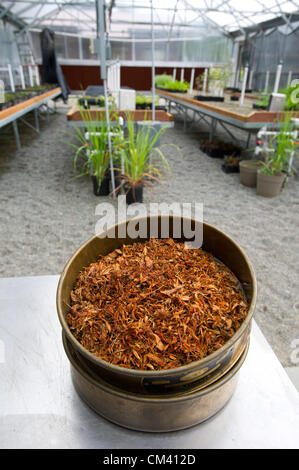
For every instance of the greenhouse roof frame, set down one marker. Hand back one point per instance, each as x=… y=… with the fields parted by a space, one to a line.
x=129 y=18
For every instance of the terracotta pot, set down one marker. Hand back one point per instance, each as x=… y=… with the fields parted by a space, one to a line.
x=248 y=172
x=200 y=372
x=269 y=185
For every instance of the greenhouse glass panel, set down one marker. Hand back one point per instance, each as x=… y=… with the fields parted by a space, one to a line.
x=72 y=47
x=87 y=49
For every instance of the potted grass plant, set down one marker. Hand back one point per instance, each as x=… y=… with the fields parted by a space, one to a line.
x=145 y=102
x=166 y=82
x=95 y=154
x=272 y=174
x=143 y=163
x=262 y=102
x=92 y=154
x=218 y=78
x=87 y=101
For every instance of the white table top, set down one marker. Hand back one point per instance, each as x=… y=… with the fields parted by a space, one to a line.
x=39 y=407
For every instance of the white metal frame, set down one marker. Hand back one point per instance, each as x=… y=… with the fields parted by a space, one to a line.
x=9 y=70
x=263 y=137
x=35 y=14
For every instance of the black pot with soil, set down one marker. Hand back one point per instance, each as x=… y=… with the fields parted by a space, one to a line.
x=149 y=106
x=117 y=180
x=230 y=168
x=219 y=99
x=134 y=193
x=231 y=164
x=171 y=91
x=259 y=106
x=220 y=149
x=103 y=189
x=233 y=89
x=87 y=102
x=237 y=90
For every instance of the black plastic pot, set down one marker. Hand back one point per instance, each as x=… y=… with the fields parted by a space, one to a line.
x=117 y=180
x=258 y=106
x=104 y=189
x=212 y=152
x=143 y=106
x=234 y=98
x=230 y=169
x=134 y=194
x=221 y=150
x=215 y=153
x=237 y=90
x=232 y=88
x=209 y=98
x=171 y=91
x=149 y=106
x=87 y=102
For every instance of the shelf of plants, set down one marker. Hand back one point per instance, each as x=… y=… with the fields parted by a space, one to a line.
x=22 y=102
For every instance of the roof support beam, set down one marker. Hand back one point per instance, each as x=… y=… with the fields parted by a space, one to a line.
x=11 y=17
x=25 y=28
x=4 y=11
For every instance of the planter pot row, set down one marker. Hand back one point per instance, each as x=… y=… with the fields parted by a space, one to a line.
x=26 y=95
x=237 y=90
x=219 y=99
x=170 y=90
x=133 y=194
x=87 y=102
x=149 y=106
x=219 y=150
x=266 y=185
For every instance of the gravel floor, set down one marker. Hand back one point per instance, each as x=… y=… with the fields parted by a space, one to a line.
x=45 y=215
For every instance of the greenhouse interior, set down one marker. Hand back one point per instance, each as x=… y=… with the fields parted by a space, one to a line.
x=149 y=237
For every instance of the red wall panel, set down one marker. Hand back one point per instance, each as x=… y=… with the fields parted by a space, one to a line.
x=79 y=77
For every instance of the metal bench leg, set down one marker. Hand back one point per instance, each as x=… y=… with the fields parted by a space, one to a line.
x=16 y=133
x=248 y=140
x=212 y=129
x=36 y=120
x=185 y=120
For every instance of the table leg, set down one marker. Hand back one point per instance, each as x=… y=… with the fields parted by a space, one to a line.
x=36 y=120
x=16 y=133
x=248 y=140
x=185 y=120
x=212 y=129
